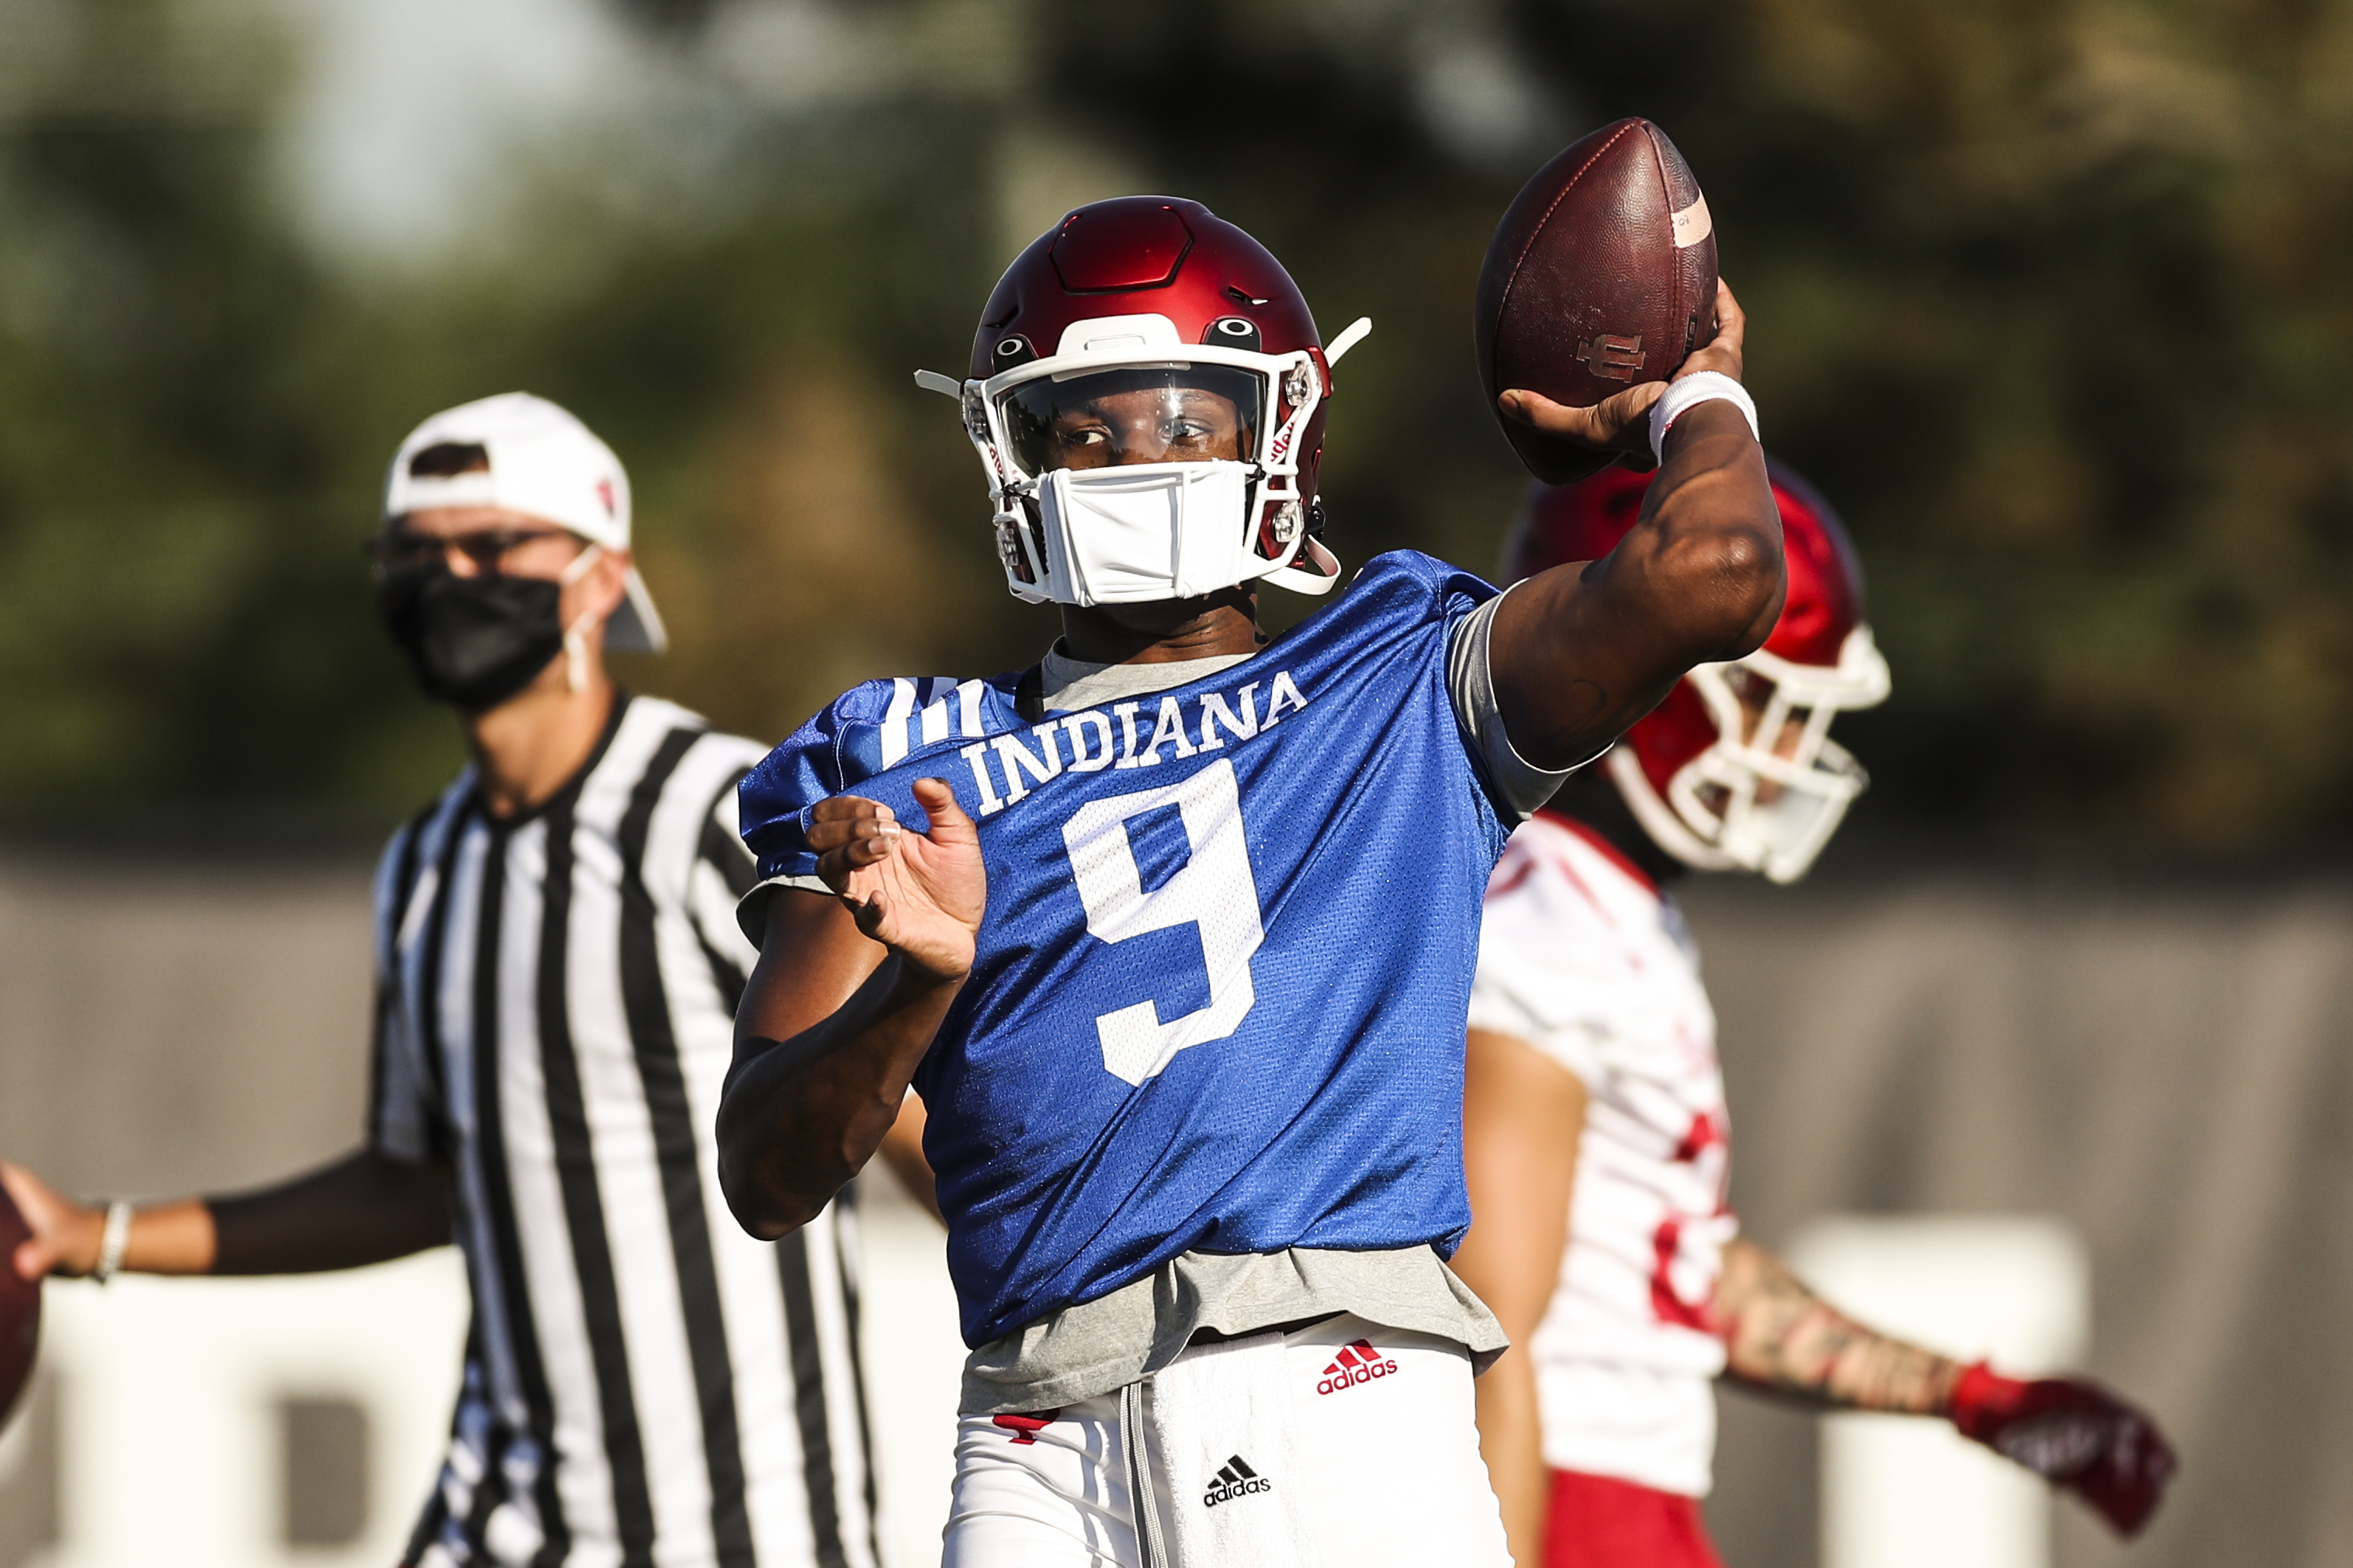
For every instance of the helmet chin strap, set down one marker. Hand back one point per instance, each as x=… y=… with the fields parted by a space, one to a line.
x=1319 y=581
x=575 y=642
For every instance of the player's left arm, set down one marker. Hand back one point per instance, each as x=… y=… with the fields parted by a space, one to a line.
x=848 y=995
x=1581 y=651
x=1782 y=1337
x=1523 y=1118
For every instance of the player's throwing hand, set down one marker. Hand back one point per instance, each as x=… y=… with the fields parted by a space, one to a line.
x=1622 y=423
x=920 y=895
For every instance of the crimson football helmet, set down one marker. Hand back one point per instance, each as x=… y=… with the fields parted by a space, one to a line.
x=1736 y=769
x=1157 y=297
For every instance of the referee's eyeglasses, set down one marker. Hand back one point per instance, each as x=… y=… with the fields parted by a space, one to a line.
x=400 y=550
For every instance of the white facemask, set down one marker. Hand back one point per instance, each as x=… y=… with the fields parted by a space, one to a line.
x=1710 y=814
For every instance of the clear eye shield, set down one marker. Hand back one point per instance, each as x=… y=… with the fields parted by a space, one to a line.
x=1139 y=413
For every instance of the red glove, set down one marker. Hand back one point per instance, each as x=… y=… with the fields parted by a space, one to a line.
x=2074 y=1434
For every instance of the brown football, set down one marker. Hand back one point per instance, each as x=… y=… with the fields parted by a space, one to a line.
x=1601 y=275
x=20 y=1310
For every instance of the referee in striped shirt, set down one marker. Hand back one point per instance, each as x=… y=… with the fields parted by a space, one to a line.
x=558 y=965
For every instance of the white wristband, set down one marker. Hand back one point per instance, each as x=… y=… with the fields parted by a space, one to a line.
x=112 y=1245
x=1705 y=386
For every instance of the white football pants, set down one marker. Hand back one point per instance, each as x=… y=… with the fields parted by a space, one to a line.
x=1383 y=1468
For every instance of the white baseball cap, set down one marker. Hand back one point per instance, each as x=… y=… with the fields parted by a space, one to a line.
x=543 y=463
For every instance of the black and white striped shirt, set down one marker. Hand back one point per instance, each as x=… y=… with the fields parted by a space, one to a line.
x=644 y=1383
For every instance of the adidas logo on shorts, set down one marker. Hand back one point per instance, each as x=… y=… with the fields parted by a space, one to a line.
x=1025 y=1428
x=1234 y=1479
x=1357 y=1363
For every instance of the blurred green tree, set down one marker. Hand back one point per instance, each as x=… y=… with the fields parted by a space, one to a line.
x=2045 y=297
x=196 y=407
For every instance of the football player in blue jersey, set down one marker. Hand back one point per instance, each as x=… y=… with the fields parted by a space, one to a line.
x=1173 y=930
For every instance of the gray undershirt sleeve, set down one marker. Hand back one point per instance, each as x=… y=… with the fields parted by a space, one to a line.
x=1471 y=684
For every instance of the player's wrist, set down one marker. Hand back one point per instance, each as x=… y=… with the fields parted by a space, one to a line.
x=78 y=1240
x=1944 y=1377
x=931 y=969
x=1693 y=390
x=1982 y=1401
x=114 y=1241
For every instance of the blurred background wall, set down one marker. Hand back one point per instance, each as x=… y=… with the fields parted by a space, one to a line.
x=2155 y=1063
x=2045 y=296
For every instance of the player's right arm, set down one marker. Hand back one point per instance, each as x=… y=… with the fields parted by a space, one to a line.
x=1580 y=652
x=848 y=995
x=365 y=1208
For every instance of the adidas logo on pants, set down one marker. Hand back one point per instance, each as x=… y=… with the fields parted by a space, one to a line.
x=1388 y=1478
x=1356 y=1364
x=1234 y=1479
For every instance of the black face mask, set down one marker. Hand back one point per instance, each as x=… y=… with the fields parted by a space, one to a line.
x=474 y=641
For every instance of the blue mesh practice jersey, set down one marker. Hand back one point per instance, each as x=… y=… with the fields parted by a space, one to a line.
x=1220 y=989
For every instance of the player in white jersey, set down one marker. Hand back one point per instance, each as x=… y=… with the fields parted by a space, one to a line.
x=1595 y=1135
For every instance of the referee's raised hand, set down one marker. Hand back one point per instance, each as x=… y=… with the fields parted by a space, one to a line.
x=920 y=895
x=66 y=1236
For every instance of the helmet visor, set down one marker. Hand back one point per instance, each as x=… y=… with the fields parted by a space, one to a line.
x=1134 y=414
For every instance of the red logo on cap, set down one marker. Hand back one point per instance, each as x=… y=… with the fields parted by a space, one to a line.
x=605 y=494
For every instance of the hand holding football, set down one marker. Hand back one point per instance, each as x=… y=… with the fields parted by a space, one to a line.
x=1599 y=283
x=1620 y=423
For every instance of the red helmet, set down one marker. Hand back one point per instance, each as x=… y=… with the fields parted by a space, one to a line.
x=1722 y=784
x=1155 y=297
